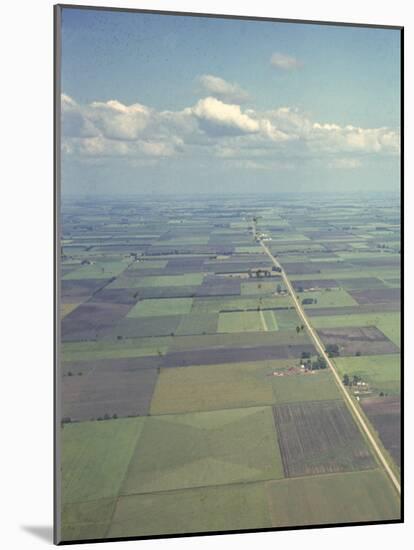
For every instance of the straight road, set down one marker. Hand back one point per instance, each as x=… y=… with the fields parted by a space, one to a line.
x=363 y=425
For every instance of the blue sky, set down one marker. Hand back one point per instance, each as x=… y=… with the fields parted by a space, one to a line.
x=191 y=104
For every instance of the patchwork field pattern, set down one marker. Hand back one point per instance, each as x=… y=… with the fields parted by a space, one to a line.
x=191 y=397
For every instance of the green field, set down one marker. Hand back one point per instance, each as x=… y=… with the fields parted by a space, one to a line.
x=382 y=372
x=87 y=520
x=148 y=264
x=226 y=507
x=97 y=270
x=337 y=297
x=113 y=349
x=348 y=274
x=188 y=279
x=215 y=305
x=315 y=386
x=269 y=320
x=388 y=322
x=161 y=307
x=204 y=448
x=338 y=498
x=237 y=339
x=253 y=288
x=213 y=387
x=95 y=457
x=246 y=321
x=198 y=324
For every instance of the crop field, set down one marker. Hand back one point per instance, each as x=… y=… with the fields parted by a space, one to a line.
x=385 y=415
x=95 y=457
x=313 y=386
x=381 y=372
x=327 y=298
x=320 y=437
x=244 y=321
x=216 y=447
x=357 y=340
x=162 y=306
x=190 y=397
x=210 y=508
x=313 y=500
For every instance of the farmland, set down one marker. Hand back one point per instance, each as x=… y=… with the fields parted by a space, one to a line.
x=193 y=398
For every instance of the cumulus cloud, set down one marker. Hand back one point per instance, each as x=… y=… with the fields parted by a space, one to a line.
x=217 y=118
x=215 y=129
x=221 y=89
x=118 y=121
x=285 y=62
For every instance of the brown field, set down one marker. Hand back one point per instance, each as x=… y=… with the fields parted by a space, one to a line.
x=377 y=295
x=79 y=290
x=147 y=326
x=103 y=389
x=116 y=296
x=319 y=437
x=366 y=340
x=90 y=320
x=385 y=415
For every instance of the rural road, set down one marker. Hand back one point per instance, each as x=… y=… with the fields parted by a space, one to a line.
x=363 y=425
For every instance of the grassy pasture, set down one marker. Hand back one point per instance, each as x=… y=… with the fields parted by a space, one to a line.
x=246 y=321
x=317 y=386
x=212 y=387
x=269 y=320
x=87 y=520
x=258 y=288
x=224 y=386
x=247 y=249
x=188 y=279
x=328 y=298
x=148 y=264
x=232 y=340
x=287 y=319
x=161 y=307
x=215 y=305
x=242 y=506
x=204 y=448
x=382 y=372
x=349 y=274
x=198 y=324
x=95 y=457
x=97 y=270
x=113 y=349
x=337 y=498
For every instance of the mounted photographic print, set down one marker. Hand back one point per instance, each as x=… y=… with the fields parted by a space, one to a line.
x=228 y=262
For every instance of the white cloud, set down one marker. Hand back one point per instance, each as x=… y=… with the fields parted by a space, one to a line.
x=215 y=129
x=221 y=89
x=118 y=121
x=217 y=118
x=285 y=62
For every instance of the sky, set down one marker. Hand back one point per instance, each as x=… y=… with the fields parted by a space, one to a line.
x=167 y=104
